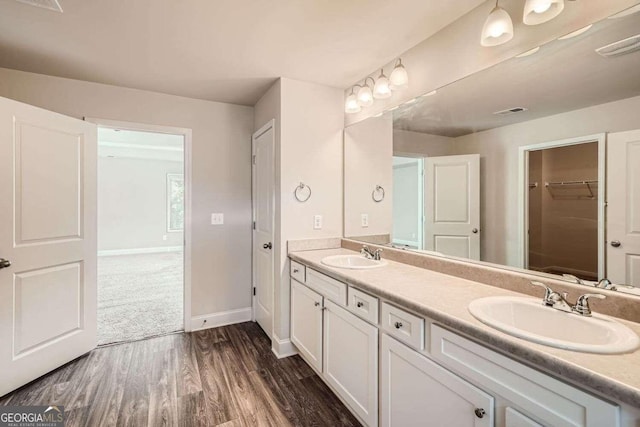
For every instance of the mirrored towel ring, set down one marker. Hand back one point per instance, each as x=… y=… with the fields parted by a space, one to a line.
x=378 y=194
x=302 y=192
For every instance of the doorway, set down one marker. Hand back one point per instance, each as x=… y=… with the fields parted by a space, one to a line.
x=142 y=227
x=408 y=202
x=563 y=202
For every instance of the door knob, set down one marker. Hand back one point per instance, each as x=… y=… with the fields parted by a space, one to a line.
x=616 y=244
x=474 y=231
x=480 y=413
x=267 y=246
x=4 y=263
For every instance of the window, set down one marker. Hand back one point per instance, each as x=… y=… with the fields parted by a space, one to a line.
x=175 y=202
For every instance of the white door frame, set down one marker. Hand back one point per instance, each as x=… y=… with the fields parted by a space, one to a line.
x=186 y=133
x=254 y=136
x=523 y=193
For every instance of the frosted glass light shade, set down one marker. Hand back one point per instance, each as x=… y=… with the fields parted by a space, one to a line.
x=399 y=79
x=382 y=89
x=498 y=28
x=351 y=104
x=365 y=96
x=540 y=11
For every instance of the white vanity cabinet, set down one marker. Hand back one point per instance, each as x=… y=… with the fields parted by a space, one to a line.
x=306 y=323
x=416 y=391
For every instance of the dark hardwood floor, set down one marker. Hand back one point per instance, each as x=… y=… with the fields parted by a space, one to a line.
x=225 y=376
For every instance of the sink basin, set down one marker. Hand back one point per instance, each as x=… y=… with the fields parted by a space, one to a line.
x=529 y=319
x=354 y=262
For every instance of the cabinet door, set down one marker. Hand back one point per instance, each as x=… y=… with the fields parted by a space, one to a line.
x=351 y=360
x=416 y=391
x=306 y=323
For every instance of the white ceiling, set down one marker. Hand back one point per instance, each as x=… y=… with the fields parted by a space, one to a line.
x=565 y=75
x=220 y=50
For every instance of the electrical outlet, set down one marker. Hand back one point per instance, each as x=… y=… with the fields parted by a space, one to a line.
x=317 y=222
x=364 y=220
x=217 y=219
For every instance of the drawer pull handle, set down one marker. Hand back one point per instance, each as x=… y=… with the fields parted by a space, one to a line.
x=295 y=270
x=398 y=325
x=480 y=412
x=359 y=304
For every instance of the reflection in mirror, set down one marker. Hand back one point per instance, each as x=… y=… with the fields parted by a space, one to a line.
x=514 y=165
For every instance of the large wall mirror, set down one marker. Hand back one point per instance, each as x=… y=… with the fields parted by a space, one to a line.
x=533 y=163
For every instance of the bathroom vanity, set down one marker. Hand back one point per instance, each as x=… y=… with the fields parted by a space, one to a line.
x=399 y=347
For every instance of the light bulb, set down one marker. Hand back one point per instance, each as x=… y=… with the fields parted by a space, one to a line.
x=365 y=96
x=399 y=78
x=381 y=89
x=540 y=11
x=498 y=28
x=351 y=104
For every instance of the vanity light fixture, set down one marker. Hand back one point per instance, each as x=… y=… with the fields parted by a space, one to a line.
x=540 y=11
x=365 y=95
x=382 y=88
x=351 y=105
x=576 y=33
x=399 y=78
x=498 y=28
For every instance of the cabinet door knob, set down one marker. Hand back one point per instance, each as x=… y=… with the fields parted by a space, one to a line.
x=317 y=304
x=398 y=325
x=295 y=270
x=479 y=412
x=359 y=304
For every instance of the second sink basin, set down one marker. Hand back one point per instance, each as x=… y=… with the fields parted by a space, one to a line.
x=529 y=319
x=353 y=262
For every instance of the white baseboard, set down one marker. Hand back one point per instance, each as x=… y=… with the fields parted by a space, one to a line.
x=282 y=348
x=213 y=320
x=133 y=251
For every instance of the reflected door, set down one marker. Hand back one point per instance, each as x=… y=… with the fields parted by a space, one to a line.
x=48 y=235
x=623 y=207
x=263 y=215
x=452 y=205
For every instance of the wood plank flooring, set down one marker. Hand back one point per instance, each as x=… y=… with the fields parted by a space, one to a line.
x=224 y=376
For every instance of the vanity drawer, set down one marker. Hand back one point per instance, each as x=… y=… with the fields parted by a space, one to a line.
x=552 y=401
x=363 y=305
x=298 y=271
x=331 y=288
x=402 y=325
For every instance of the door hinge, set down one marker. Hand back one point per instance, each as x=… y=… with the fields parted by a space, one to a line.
x=254 y=225
x=253 y=159
x=254 y=290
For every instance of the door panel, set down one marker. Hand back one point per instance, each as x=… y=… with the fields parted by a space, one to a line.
x=623 y=207
x=263 y=237
x=452 y=205
x=48 y=232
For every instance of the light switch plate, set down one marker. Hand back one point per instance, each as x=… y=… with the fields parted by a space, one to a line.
x=317 y=222
x=364 y=220
x=217 y=218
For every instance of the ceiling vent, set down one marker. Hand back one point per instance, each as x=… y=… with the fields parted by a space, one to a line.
x=44 y=4
x=621 y=47
x=510 y=111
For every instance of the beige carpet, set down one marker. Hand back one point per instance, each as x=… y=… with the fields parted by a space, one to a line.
x=139 y=296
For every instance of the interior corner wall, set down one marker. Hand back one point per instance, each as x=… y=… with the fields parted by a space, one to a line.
x=221 y=171
x=309 y=120
x=499 y=148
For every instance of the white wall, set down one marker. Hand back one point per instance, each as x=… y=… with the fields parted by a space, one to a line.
x=309 y=120
x=132 y=203
x=455 y=52
x=221 y=255
x=368 y=151
x=498 y=149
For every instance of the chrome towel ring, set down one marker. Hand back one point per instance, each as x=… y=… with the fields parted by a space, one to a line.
x=378 y=194
x=302 y=192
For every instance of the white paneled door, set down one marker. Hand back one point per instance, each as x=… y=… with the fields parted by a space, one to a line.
x=623 y=207
x=452 y=205
x=263 y=226
x=47 y=241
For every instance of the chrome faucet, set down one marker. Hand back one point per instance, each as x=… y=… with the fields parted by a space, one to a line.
x=576 y=279
x=369 y=254
x=559 y=301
